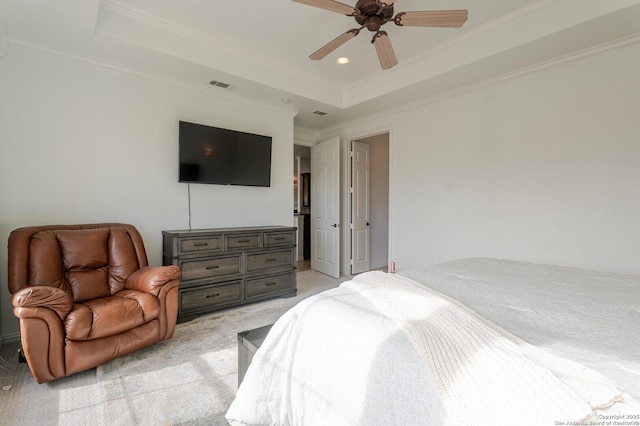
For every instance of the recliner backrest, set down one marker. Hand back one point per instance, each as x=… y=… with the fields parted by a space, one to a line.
x=89 y=261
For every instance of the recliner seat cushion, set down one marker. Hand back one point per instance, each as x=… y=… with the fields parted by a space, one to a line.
x=111 y=315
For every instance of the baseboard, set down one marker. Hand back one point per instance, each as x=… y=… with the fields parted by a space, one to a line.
x=9 y=338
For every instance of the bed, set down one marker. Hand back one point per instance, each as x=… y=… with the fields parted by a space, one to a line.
x=468 y=342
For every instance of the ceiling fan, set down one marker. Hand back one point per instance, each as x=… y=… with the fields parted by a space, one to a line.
x=373 y=14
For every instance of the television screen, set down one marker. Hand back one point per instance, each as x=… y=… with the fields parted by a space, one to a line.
x=224 y=157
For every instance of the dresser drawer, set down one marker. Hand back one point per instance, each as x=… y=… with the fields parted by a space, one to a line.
x=266 y=285
x=234 y=242
x=210 y=296
x=226 y=267
x=195 y=245
x=210 y=267
x=272 y=259
x=279 y=238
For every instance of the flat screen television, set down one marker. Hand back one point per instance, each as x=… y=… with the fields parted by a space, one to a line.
x=224 y=157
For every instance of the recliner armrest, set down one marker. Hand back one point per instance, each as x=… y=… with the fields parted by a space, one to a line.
x=151 y=279
x=52 y=298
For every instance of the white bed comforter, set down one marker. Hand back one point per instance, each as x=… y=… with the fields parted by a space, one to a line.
x=384 y=350
x=590 y=317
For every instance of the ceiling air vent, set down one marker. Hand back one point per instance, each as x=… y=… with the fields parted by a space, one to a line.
x=219 y=84
x=319 y=112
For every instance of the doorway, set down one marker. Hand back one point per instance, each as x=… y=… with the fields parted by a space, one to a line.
x=379 y=238
x=302 y=204
x=377 y=222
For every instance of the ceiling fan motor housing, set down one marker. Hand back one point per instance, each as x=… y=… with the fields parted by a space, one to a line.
x=372 y=15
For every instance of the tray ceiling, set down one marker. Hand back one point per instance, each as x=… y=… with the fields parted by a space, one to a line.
x=260 y=48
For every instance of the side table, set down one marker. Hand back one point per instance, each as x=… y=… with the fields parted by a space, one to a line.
x=248 y=343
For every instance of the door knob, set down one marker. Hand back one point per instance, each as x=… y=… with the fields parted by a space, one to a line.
x=368 y=224
x=335 y=225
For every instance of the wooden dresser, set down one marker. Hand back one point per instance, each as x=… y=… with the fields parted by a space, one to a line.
x=226 y=267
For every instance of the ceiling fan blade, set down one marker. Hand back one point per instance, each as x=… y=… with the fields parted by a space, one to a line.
x=334 y=44
x=331 y=5
x=387 y=2
x=433 y=18
x=386 y=55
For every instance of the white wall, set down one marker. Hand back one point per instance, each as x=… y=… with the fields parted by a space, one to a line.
x=82 y=143
x=543 y=167
x=4 y=40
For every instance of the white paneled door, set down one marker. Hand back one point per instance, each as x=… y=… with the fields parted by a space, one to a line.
x=325 y=207
x=360 y=169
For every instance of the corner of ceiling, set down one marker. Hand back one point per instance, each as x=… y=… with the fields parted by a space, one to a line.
x=507 y=33
x=523 y=25
x=123 y=22
x=305 y=137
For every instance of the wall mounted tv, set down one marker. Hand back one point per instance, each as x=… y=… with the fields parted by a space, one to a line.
x=224 y=157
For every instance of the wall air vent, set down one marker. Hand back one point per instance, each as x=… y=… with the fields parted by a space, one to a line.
x=219 y=84
x=320 y=112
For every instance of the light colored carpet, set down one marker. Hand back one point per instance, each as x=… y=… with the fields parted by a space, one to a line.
x=190 y=379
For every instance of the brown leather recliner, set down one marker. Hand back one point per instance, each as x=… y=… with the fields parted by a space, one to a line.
x=84 y=294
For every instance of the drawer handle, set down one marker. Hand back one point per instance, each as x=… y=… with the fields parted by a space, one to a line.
x=280 y=238
x=212 y=295
x=244 y=241
x=270 y=284
x=212 y=267
x=273 y=259
x=201 y=244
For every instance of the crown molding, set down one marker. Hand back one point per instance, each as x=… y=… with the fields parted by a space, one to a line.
x=305 y=137
x=517 y=28
x=13 y=41
x=274 y=66
x=164 y=24
x=462 y=37
x=571 y=57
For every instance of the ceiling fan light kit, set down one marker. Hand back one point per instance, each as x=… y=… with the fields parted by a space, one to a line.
x=373 y=14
